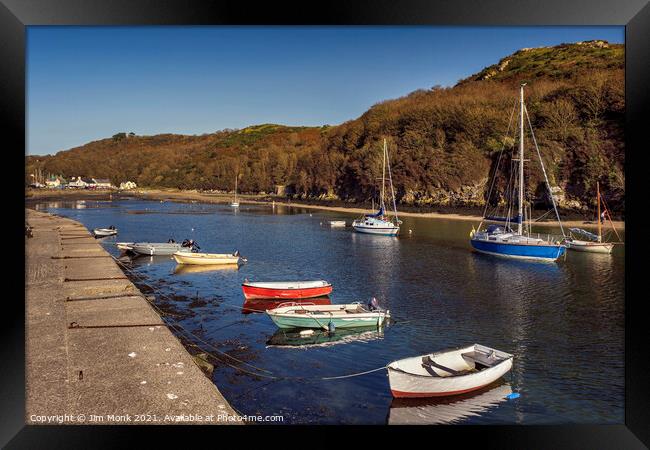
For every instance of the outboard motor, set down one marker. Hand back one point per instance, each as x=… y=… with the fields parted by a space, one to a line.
x=236 y=253
x=373 y=304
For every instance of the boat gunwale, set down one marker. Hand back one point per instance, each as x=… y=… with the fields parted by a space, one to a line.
x=506 y=358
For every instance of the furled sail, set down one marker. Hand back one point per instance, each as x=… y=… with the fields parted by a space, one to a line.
x=585 y=233
x=377 y=214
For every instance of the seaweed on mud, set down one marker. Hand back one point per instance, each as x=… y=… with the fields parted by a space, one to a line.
x=197 y=303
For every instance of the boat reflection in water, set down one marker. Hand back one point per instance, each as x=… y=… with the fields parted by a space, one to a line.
x=321 y=338
x=144 y=260
x=448 y=410
x=254 y=305
x=182 y=269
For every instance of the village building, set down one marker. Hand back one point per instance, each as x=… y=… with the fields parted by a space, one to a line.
x=126 y=185
x=55 y=182
x=81 y=183
x=102 y=183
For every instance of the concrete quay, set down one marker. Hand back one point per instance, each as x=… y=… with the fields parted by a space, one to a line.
x=96 y=352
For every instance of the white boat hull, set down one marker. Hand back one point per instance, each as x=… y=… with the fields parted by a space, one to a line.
x=205 y=259
x=125 y=246
x=408 y=380
x=151 y=249
x=590 y=247
x=103 y=232
x=382 y=231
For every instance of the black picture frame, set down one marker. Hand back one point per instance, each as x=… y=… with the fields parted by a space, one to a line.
x=15 y=15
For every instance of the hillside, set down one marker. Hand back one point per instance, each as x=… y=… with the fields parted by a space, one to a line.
x=443 y=141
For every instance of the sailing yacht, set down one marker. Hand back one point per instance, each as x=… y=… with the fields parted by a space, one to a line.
x=235 y=202
x=379 y=223
x=501 y=240
x=595 y=243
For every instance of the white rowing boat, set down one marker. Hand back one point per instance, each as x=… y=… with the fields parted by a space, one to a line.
x=124 y=246
x=206 y=258
x=159 y=248
x=103 y=232
x=448 y=372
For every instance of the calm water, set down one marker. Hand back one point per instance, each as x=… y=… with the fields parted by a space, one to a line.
x=563 y=322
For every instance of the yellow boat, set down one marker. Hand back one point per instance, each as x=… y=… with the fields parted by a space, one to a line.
x=206 y=258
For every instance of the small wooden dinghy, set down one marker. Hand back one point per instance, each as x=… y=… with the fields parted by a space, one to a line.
x=206 y=258
x=448 y=372
x=591 y=247
x=301 y=315
x=286 y=289
x=103 y=232
x=124 y=246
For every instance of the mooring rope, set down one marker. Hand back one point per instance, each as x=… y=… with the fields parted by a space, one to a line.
x=192 y=338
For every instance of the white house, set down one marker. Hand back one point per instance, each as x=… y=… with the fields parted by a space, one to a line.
x=77 y=182
x=103 y=183
x=54 y=182
x=128 y=185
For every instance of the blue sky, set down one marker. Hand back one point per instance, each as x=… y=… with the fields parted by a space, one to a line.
x=88 y=83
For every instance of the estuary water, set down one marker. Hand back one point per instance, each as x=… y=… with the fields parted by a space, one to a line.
x=563 y=322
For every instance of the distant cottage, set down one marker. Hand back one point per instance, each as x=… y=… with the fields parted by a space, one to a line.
x=126 y=185
x=55 y=182
x=102 y=183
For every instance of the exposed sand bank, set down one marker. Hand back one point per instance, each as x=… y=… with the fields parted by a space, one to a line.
x=176 y=195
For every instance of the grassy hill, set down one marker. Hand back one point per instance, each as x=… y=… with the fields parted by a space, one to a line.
x=443 y=141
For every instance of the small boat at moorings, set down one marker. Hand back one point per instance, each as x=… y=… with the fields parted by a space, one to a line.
x=104 y=232
x=327 y=317
x=207 y=258
x=286 y=289
x=163 y=248
x=502 y=241
x=449 y=372
x=379 y=223
x=338 y=223
x=124 y=247
x=593 y=243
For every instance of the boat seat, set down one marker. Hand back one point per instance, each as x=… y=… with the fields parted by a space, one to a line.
x=480 y=358
x=429 y=364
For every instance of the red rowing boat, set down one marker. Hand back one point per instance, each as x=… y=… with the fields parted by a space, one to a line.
x=286 y=289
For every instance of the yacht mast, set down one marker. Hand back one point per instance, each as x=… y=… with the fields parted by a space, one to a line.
x=600 y=235
x=521 y=161
x=383 y=178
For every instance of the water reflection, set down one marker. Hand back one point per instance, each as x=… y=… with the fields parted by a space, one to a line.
x=448 y=410
x=320 y=338
x=184 y=269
